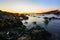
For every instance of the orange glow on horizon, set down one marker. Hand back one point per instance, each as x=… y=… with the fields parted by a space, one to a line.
x=26 y=10
x=8 y=10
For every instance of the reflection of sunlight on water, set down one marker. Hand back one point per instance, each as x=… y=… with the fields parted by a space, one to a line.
x=31 y=20
x=34 y=19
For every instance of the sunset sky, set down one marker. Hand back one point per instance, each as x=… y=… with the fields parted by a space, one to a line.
x=29 y=6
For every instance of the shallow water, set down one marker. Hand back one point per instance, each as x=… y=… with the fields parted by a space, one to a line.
x=53 y=26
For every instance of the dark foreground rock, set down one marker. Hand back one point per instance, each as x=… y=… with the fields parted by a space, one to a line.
x=38 y=33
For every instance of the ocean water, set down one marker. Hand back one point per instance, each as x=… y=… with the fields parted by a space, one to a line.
x=52 y=26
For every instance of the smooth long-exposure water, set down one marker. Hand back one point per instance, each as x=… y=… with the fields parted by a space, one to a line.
x=52 y=26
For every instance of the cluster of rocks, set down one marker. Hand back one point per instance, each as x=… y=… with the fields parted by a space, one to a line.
x=12 y=28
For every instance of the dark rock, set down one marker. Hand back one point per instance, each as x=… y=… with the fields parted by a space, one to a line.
x=38 y=33
x=34 y=22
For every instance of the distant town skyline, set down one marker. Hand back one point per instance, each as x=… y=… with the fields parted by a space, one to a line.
x=29 y=6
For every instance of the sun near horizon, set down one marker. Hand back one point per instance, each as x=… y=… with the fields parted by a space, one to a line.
x=29 y=6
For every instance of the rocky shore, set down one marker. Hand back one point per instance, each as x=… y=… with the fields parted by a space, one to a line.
x=12 y=28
